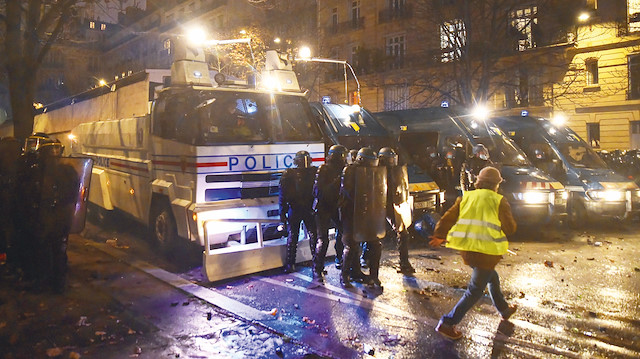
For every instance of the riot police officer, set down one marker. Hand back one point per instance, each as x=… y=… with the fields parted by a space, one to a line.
x=363 y=192
x=51 y=189
x=472 y=166
x=398 y=209
x=296 y=202
x=10 y=149
x=326 y=191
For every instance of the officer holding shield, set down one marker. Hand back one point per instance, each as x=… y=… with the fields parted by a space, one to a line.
x=363 y=196
x=296 y=202
x=326 y=191
x=398 y=207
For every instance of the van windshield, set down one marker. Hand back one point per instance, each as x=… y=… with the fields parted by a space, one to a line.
x=573 y=148
x=350 y=121
x=501 y=148
x=222 y=117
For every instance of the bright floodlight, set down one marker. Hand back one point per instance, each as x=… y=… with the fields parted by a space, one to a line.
x=196 y=35
x=559 y=120
x=355 y=108
x=481 y=112
x=584 y=16
x=102 y=82
x=277 y=40
x=304 y=52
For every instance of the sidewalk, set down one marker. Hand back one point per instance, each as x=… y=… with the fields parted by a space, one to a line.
x=111 y=310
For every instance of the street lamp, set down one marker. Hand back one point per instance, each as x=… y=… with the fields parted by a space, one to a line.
x=584 y=16
x=304 y=54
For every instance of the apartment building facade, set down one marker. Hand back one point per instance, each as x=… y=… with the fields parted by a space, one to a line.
x=544 y=57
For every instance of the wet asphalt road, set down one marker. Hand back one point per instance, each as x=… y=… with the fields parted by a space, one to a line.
x=577 y=292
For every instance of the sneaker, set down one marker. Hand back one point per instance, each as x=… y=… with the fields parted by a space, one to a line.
x=509 y=311
x=448 y=331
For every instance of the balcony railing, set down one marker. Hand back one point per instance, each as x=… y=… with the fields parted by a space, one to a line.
x=395 y=13
x=353 y=24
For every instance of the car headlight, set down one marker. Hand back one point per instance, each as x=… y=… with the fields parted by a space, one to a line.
x=609 y=195
x=535 y=197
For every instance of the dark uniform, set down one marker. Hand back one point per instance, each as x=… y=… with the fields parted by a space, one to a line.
x=397 y=195
x=368 y=224
x=10 y=149
x=326 y=191
x=472 y=166
x=296 y=204
x=49 y=189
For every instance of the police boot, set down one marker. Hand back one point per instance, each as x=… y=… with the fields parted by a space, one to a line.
x=403 y=249
x=290 y=265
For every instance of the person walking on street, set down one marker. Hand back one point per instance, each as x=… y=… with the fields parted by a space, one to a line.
x=296 y=202
x=326 y=192
x=477 y=225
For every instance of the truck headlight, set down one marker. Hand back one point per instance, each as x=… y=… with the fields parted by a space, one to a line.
x=609 y=195
x=535 y=197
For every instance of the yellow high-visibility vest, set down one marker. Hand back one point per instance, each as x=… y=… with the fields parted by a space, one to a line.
x=478 y=228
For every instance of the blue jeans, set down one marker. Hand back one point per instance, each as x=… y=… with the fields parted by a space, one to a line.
x=480 y=278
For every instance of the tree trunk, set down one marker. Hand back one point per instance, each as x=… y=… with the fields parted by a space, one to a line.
x=22 y=89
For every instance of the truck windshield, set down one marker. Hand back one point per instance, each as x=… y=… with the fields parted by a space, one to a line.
x=350 y=121
x=501 y=148
x=223 y=117
x=573 y=148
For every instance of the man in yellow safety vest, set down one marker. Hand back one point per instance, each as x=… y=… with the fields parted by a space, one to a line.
x=477 y=225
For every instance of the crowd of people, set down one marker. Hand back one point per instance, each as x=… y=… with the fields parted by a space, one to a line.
x=363 y=196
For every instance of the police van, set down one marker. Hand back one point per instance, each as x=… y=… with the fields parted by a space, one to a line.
x=453 y=134
x=354 y=127
x=202 y=164
x=594 y=190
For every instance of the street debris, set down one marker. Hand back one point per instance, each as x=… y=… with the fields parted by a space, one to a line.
x=430 y=256
x=273 y=311
x=548 y=264
x=289 y=280
x=209 y=315
x=597 y=244
x=391 y=339
x=368 y=349
x=521 y=295
x=83 y=322
x=296 y=306
x=113 y=242
x=308 y=320
x=591 y=258
x=637 y=269
x=54 y=352
x=74 y=355
x=279 y=352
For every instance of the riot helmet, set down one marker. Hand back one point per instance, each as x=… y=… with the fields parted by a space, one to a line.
x=351 y=156
x=51 y=148
x=33 y=142
x=367 y=157
x=337 y=155
x=388 y=157
x=302 y=159
x=481 y=152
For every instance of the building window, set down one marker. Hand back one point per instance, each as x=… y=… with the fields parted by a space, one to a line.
x=396 y=5
x=396 y=97
x=92 y=24
x=355 y=14
x=633 y=12
x=396 y=48
x=166 y=45
x=103 y=27
x=591 y=66
x=453 y=38
x=634 y=128
x=524 y=27
x=334 y=20
x=593 y=134
x=634 y=77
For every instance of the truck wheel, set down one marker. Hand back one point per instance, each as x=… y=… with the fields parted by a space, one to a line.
x=163 y=226
x=98 y=215
x=577 y=215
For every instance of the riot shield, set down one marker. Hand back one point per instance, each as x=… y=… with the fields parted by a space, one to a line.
x=401 y=206
x=370 y=201
x=80 y=169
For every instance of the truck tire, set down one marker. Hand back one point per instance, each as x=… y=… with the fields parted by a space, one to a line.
x=98 y=215
x=577 y=215
x=163 y=226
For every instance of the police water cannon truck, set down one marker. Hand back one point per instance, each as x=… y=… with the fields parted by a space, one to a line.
x=202 y=163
